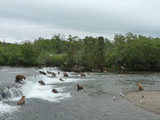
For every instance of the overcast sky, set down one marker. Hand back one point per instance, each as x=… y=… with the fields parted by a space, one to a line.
x=22 y=20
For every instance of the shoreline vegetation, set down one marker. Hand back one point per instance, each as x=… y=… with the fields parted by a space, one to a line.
x=127 y=52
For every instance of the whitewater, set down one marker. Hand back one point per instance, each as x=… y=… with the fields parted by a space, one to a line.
x=31 y=88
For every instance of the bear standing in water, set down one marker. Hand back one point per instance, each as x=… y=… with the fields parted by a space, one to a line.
x=19 y=78
x=79 y=87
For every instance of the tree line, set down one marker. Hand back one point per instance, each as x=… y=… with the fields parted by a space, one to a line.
x=125 y=52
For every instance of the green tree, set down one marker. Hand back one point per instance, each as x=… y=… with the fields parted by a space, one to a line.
x=28 y=54
x=100 y=53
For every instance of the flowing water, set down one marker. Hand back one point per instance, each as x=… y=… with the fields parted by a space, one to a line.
x=99 y=100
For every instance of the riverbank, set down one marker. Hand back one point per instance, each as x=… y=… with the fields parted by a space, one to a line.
x=148 y=100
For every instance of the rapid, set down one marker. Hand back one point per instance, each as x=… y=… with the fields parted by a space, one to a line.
x=94 y=102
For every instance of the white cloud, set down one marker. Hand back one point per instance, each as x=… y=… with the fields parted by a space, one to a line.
x=17 y=31
x=27 y=20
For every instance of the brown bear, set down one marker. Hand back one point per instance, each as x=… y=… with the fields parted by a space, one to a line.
x=52 y=73
x=54 y=91
x=41 y=82
x=79 y=87
x=82 y=74
x=22 y=101
x=61 y=79
x=140 y=86
x=122 y=75
x=19 y=78
x=42 y=72
x=65 y=74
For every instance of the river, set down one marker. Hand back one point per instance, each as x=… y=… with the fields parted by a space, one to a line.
x=99 y=100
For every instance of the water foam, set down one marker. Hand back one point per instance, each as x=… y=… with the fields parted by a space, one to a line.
x=32 y=89
x=5 y=108
x=45 y=93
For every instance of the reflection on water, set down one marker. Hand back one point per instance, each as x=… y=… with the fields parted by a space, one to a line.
x=94 y=102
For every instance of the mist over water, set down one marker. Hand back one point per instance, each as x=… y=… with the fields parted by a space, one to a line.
x=94 y=102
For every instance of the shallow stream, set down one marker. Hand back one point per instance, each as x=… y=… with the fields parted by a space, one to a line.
x=99 y=100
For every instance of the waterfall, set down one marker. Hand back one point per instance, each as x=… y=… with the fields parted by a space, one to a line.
x=10 y=92
x=31 y=88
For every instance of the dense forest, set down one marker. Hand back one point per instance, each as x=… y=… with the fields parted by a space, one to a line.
x=125 y=52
